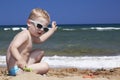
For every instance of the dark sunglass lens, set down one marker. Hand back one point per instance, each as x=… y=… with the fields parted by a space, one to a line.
x=46 y=29
x=39 y=26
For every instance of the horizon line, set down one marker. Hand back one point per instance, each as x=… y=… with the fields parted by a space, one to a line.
x=66 y=24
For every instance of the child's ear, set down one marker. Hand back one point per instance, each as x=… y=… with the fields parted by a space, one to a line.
x=28 y=23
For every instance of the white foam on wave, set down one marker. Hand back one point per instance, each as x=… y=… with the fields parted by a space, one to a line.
x=6 y=29
x=83 y=62
x=15 y=28
x=105 y=28
x=68 y=29
x=23 y=28
x=102 y=28
x=2 y=61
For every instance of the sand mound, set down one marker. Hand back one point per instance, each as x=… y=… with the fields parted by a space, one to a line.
x=33 y=76
x=65 y=74
x=27 y=76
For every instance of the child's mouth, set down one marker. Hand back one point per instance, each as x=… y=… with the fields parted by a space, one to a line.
x=39 y=33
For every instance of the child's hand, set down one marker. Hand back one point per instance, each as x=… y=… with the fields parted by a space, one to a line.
x=21 y=63
x=54 y=25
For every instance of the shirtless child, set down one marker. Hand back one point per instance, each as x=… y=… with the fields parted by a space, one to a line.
x=20 y=54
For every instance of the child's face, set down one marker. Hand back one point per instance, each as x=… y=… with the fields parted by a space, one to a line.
x=39 y=27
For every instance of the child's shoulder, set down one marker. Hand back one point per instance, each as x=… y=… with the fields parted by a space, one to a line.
x=23 y=33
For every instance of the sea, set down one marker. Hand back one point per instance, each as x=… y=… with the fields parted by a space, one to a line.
x=84 y=46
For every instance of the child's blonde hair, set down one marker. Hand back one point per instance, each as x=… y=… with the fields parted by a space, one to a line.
x=37 y=12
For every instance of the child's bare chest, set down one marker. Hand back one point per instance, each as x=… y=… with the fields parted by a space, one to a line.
x=26 y=47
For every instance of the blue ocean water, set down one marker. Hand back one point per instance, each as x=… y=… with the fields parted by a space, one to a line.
x=72 y=40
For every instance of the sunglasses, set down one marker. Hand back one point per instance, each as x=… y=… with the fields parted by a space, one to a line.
x=39 y=26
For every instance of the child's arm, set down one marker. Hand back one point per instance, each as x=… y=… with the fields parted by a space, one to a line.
x=49 y=33
x=16 y=43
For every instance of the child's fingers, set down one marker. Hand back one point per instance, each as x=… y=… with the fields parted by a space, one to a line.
x=54 y=24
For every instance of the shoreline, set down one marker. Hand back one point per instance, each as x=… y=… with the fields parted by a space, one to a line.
x=65 y=74
x=93 y=62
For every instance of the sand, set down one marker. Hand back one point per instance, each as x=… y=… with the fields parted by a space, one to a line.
x=65 y=74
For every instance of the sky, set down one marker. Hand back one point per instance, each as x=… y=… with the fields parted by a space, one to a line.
x=16 y=12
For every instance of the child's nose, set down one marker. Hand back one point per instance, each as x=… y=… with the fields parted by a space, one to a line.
x=40 y=31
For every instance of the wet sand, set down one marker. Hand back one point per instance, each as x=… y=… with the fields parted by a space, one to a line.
x=65 y=74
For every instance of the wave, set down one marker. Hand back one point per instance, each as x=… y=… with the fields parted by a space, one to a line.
x=92 y=28
x=102 y=28
x=2 y=61
x=72 y=29
x=15 y=28
x=68 y=29
x=82 y=62
x=85 y=62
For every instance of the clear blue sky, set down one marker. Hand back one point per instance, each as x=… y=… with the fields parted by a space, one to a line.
x=14 y=12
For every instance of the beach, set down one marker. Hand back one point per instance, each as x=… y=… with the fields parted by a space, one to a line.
x=65 y=74
x=72 y=68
